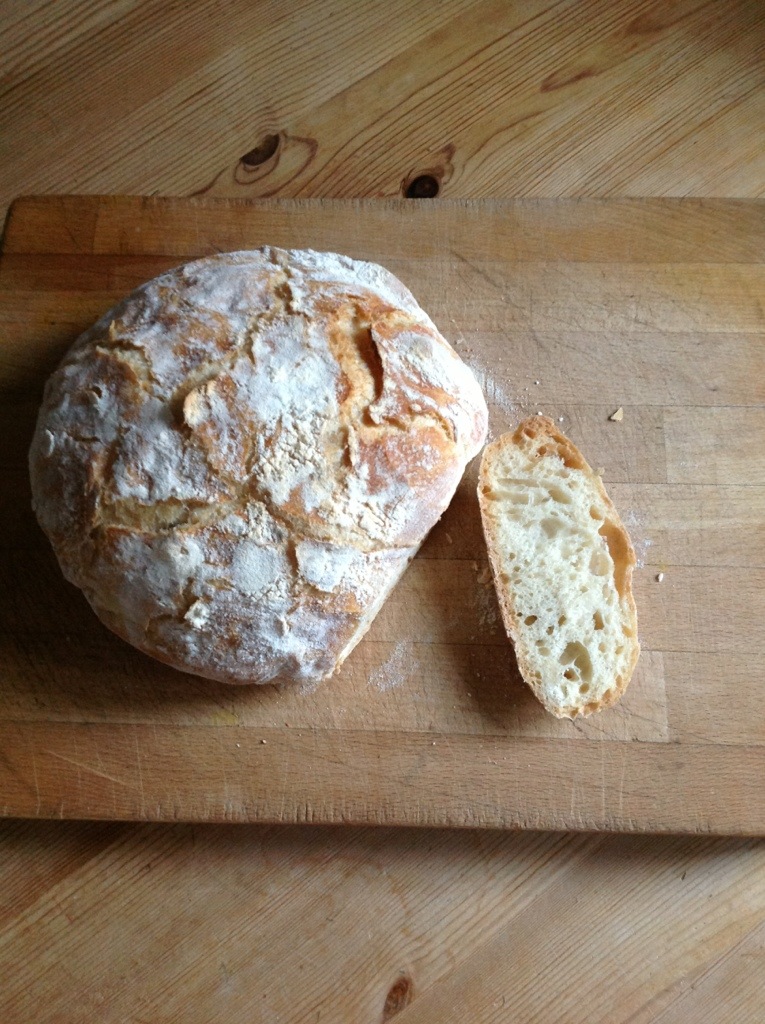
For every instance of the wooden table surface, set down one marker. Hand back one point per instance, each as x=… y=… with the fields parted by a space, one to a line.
x=161 y=923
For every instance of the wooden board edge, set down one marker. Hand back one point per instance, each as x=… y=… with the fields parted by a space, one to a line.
x=657 y=229
x=199 y=773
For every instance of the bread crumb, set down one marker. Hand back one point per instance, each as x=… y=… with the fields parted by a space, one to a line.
x=600 y=470
x=560 y=419
x=617 y=416
x=659 y=577
x=239 y=744
x=539 y=412
x=536 y=381
x=264 y=741
x=448 y=537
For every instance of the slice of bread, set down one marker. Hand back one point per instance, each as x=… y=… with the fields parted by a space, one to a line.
x=562 y=564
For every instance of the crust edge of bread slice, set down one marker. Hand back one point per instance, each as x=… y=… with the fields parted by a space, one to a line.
x=542 y=429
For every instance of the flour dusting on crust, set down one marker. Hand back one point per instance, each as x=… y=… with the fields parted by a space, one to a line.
x=239 y=460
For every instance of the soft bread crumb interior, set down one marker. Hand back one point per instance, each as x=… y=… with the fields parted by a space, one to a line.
x=562 y=565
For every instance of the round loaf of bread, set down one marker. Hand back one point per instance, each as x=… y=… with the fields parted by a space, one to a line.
x=238 y=461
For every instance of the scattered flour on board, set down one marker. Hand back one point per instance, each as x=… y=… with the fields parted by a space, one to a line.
x=641 y=543
x=394 y=670
x=485 y=600
x=494 y=391
x=308 y=686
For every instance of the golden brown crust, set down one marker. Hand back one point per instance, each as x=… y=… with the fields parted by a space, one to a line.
x=238 y=460
x=531 y=431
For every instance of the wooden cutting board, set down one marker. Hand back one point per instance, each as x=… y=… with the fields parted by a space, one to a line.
x=572 y=308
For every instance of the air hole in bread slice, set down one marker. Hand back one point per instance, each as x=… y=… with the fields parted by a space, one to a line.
x=566 y=456
x=551 y=527
x=600 y=563
x=559 y=494
x=577 y=655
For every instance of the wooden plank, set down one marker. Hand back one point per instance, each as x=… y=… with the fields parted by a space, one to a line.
x=691 y=610
x=716 y=446
x=38 y=856
x=226 y=773
x=430 y=922
x=730 y=985
x=713 y=697
x=547 y=296
x=307 y=916
x=494 y=98
x=633 y=367
x=535 y=105
x=696 y=524
x=211 y=67
x=718 y=231
x=583 y=906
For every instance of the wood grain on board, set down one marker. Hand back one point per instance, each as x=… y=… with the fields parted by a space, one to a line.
x=211 y=923
x=491 y=98
x=571 y=308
